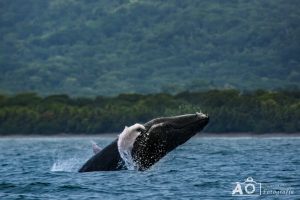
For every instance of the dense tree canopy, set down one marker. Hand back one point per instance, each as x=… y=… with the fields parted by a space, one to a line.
x=89 y=47
x=229 y=111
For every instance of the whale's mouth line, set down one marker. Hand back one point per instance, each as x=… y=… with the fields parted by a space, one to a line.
x=199 y=118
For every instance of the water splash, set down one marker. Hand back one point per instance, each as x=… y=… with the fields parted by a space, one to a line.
x=128 y=160
x=67 y=165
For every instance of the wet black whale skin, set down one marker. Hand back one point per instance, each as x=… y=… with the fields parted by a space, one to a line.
x=161 y=136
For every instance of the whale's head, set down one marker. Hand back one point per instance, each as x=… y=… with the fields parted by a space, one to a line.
x=162 y=135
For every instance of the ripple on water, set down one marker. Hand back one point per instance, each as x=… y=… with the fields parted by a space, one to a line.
x=201 y=169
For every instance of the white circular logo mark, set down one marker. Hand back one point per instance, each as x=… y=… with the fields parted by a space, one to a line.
x=252 y=190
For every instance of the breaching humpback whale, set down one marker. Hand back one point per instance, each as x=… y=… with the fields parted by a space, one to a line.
x=146 y=144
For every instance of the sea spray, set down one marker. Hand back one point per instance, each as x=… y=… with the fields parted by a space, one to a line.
x=128 y=160
x=66 y=165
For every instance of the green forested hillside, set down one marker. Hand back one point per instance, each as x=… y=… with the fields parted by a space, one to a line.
x=91 y=47
x=229 y=111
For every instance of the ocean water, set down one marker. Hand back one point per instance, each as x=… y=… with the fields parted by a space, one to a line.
x=203 y=168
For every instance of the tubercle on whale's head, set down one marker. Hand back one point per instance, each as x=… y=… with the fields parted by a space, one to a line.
x=200 y=114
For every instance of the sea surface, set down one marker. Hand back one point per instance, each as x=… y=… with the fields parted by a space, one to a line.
x=202 y=168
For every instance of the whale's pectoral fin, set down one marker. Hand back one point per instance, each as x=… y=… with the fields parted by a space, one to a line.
x=96 y=148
